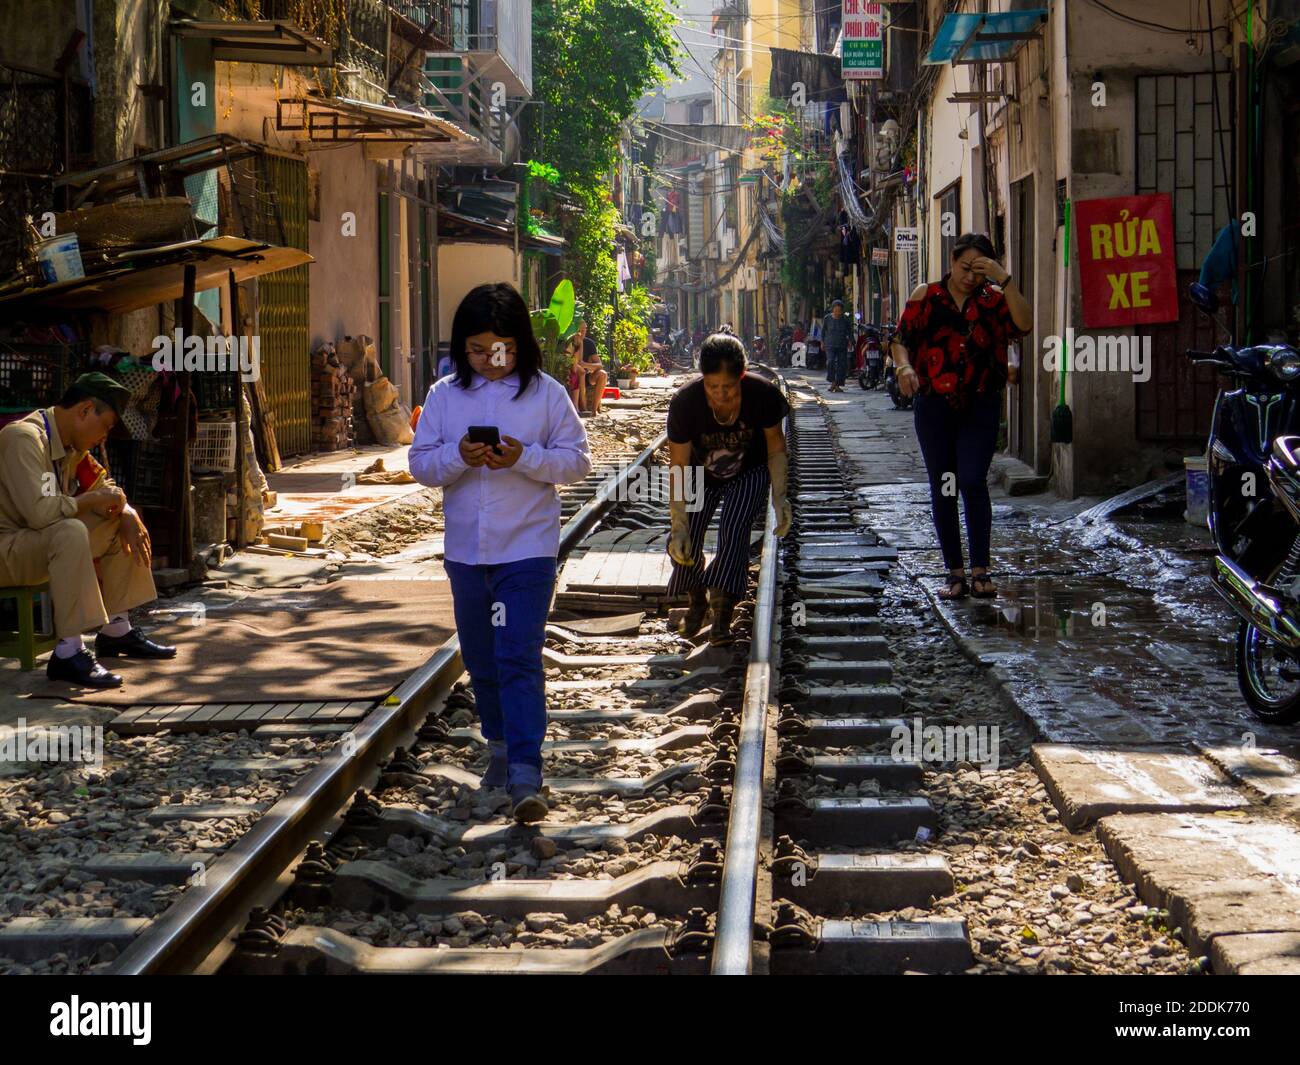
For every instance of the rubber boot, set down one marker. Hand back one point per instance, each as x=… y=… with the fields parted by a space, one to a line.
x=722 y=606
x=693 y=620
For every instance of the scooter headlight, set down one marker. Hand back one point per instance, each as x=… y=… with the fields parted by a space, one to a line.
x=1284 y=364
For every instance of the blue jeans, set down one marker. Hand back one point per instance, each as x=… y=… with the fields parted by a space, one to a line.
x=958 y=449
x=501 y=615
x=837 y=366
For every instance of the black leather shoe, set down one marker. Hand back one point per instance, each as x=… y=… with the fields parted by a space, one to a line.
x=135 y=644
x=81 y=669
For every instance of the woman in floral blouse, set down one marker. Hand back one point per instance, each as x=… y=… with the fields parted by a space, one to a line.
x=951 y=353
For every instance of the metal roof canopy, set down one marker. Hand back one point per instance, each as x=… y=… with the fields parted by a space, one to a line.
x=155 y=275
x=258 y=41
x=149 y=172
x=337 y=118
x=991 y=38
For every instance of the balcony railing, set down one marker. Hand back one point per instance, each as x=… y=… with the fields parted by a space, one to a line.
x=500 y=33
x=359 y=35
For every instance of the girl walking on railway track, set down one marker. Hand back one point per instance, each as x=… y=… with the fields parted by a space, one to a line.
x=955 y=332
x=502 y=518
x=729 y=423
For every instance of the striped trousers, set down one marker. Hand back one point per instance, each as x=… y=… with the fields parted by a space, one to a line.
x=744 y=499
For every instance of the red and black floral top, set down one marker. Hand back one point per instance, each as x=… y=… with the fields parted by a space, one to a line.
x=962 y=353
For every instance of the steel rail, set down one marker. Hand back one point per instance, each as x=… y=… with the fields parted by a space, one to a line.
x=733 y=943
x=188 y=932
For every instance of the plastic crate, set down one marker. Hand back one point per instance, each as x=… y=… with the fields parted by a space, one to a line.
x=138 y=467
x=214 y=447
x=32 y=375
x=215 y=391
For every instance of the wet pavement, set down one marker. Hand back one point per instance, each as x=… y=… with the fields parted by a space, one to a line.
x=1104 y=632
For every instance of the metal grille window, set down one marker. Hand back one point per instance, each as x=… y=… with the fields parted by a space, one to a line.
x=1178 y=153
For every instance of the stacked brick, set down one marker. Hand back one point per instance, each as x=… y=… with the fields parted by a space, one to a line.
x=333 y=393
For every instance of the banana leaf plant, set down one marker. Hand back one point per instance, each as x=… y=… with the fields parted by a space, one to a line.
x=552 y=326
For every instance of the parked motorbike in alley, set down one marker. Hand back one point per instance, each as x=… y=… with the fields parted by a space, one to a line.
x=1254 y=515
x=900 y=401
x=872 y=360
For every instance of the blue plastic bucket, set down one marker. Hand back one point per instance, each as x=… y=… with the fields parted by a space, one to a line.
x=60 y=258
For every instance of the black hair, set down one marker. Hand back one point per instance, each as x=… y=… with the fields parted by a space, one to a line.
x=495 y=308
x=722 y=351
x=979 y=241
x=76 y=394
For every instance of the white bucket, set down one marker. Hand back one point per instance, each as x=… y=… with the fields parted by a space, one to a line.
x=60 y=258
x=1198 y=491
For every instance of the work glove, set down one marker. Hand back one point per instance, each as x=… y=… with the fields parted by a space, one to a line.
x=679 y=538
x=778 y=470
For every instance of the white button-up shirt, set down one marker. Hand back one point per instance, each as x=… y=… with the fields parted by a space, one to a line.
x=496 y=516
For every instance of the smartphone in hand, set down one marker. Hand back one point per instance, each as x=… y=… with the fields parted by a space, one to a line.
x=485 y=434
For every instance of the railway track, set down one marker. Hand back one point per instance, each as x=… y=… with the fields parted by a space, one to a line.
x=715 y=811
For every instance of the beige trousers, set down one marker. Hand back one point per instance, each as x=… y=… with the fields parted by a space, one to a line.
x=67 y=554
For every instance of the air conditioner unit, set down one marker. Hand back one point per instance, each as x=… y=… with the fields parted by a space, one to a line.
x=712 y=250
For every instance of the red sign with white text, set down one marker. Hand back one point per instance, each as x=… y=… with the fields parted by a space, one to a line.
x=1127 y=263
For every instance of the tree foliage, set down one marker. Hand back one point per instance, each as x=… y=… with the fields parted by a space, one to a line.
x=592 y=61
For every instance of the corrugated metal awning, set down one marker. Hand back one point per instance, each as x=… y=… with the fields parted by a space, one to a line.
x=994 y=37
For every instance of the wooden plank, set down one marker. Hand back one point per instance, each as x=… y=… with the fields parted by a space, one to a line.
x=130 y=715
x=240 y=711
x=272 y=712
x=304 y=711
x=209 y=711
x=180 y=715
x=157 y=713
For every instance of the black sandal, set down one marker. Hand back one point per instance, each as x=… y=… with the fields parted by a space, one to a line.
x=985 y=579
x=948 y=595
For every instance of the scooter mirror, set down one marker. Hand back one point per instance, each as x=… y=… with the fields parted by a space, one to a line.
x=1203 y=297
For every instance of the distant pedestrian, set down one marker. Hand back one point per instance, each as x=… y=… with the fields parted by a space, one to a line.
x=727 y=423
x=502 y=519
x=837 y=335
x=955 y=332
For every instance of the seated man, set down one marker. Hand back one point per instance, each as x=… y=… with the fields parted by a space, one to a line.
x=62 y=518
x=591 y=370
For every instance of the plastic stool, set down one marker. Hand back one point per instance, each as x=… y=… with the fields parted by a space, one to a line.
x=26 y=644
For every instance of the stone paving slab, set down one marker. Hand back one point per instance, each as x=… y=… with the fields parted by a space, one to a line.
x=1089 y=783
x=1256 y=954
x=1218 y=876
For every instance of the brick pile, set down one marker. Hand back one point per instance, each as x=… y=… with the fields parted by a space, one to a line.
x=333 y=393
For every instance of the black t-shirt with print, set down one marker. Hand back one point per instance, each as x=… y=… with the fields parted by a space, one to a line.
x=725 y=451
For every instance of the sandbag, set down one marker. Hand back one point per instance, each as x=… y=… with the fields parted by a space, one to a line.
x=388 y=417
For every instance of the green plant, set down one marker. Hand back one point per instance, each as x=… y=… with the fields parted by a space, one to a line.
x=632 y=345
x=551 y=326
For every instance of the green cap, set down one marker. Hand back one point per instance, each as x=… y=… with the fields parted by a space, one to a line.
x=105 y=389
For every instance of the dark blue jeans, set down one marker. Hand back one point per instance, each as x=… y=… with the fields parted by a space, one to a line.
x=958 y=448
x=838 y=366
x=501 y=621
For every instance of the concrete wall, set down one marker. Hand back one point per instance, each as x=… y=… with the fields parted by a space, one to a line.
x=1100 y=157
x=463 y=266
x=344 y=277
